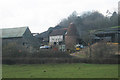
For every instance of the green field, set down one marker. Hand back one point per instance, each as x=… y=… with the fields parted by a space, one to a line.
x=75 y=70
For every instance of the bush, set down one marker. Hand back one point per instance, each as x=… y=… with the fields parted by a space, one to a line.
x=58 y=60
x=103 y=50
x=16 y=54
x=12 y=50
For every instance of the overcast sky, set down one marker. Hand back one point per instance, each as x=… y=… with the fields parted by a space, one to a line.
x=39 y=15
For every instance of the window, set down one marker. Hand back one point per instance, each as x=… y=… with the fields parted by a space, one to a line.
x=60 y=43
x=54 y=43
x=24 y=43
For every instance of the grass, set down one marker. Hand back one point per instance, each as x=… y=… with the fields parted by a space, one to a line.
x=116 y=27
x=75 y=70
x=80 y=55
x=103 y=29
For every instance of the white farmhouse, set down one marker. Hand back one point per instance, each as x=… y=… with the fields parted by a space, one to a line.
x=57 y=37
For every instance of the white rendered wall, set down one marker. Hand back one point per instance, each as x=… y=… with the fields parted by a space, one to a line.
x=57 y=38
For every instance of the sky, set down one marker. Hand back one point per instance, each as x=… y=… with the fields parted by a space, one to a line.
x=39 y=15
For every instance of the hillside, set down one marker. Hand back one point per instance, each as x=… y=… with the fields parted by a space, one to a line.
x=46 y=33
x=86 y=23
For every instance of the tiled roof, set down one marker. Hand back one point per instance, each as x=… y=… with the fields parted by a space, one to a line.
x=58 y=32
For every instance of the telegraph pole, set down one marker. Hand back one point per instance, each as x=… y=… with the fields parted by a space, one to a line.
x=89 y=45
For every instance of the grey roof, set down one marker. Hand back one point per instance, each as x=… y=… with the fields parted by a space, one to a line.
x=44 y=34
x=108 y=31
x=58 y=32
x=13 y=32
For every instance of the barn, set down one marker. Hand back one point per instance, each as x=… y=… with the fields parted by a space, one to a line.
x=111 y=34
x=20 y=35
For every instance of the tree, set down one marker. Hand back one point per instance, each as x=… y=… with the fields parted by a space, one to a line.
x=90 y=21
x=114 y=19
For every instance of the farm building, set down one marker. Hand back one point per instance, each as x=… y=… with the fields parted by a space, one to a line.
x=65 y=38
x=109 y=35
x=43 y=37
x=21 y=36
x=57 y=37
x=72 y=37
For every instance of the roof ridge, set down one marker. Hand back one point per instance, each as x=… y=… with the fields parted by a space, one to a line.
x=13 y=32
x=15 y=27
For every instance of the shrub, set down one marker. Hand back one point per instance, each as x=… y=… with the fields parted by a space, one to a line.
x=16 y=54
x=103 y=50
x=12 y=50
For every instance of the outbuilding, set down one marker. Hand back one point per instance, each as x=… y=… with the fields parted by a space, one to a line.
x=20 y=35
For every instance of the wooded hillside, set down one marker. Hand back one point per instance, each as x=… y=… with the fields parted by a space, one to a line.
x=87 y=22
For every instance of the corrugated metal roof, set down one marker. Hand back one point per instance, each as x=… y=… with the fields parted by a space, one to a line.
x=13 y=32
x=108 y=31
